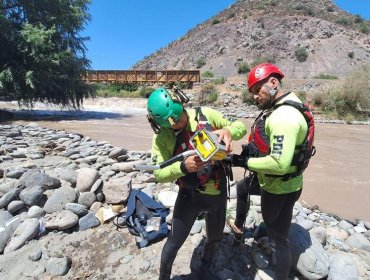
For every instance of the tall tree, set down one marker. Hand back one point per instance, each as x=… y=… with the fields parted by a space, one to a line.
x=42 y=55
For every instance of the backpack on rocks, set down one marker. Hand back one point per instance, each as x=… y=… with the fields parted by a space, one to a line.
x=145 y=218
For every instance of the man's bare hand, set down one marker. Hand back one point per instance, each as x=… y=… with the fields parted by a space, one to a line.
x=194 y=163
x=225 y=136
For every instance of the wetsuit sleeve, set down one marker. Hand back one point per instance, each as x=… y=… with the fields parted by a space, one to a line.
x=218 y=121
x=284 y=128
x=162 y=150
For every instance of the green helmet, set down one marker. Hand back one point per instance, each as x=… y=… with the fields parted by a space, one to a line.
x=162 y=108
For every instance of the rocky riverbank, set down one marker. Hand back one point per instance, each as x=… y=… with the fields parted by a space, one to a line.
x=59 y=192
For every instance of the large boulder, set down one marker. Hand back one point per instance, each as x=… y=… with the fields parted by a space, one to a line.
x=60 y=220
x=117 y=190
x=6 y=231
x=9 y=197
x=358 y=241
x=24 y=232
x=342 y=267
x=37 y=178
x=59 y=199
x=309 y=256
x=66 y=173
x=86 y=178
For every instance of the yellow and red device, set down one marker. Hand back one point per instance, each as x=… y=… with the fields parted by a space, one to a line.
x=207 y=147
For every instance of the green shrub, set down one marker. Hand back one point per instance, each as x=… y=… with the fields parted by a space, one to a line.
x=351 y=55
x=200 y=63
x=183 y=85
x=317 y=99
x=126 y=86
x=230 y=15
x=326 y=77
x=247 y=97
x=344 y=21
x=146 y=91
x=350 y=97
x=273 y=3
x=358 y=19
x=301 y=54
x=208 y=94
x=180 y=85
x=220 y=80
x=364 y=28
x=243 y=68
x=305 y=9
x=215 y=21
x=265 y=59
x=330 y=9
x=208 y=74
x=302 y=95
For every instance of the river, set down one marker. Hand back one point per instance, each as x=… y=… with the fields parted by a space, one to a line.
x=337 y=180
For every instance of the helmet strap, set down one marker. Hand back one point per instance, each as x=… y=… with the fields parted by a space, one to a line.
x=156 y=128
x=271 y=91
x=180 y=94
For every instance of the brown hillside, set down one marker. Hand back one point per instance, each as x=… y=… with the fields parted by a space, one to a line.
x=253 y=31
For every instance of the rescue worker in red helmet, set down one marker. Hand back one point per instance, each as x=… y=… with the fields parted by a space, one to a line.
x=278 y=151
x=202 y=185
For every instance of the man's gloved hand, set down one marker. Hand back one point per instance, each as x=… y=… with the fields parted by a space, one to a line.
x=239 y=160
x=245 y=150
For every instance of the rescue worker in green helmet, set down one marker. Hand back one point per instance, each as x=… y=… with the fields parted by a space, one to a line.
x=278 y=151
x=202 y=185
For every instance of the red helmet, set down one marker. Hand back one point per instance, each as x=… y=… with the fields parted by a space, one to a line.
x=261 y=72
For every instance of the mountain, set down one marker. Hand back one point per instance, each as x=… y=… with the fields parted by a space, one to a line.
x=305 y=38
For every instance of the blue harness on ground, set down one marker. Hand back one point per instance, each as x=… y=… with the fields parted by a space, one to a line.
x=146 y=218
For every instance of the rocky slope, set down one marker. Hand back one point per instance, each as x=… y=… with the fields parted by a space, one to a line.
x=253 y=31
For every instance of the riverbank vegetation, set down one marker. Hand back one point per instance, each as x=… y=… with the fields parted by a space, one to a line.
x=350 y=99
x=128 y=90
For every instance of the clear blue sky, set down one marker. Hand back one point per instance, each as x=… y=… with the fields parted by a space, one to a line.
x=123 y=32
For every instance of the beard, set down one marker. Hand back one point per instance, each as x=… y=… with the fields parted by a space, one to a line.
x=264 y=104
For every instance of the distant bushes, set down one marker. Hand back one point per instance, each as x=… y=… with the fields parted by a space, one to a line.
x=301 y=54
x=129 y=90
x=230 y=15
x=146 y=91
x=215 y=21
x=330 y=9
x=364 y=28
x=247 y=97
x=302 y=95
x=208 y=94
x=263 y=59
x=243 y=68
x=220 y=80
x=357 y=21
x=200 y=63
x=325 y=77
x=350 y=99
x=208 y=74
x=306 y=10
x=346 y=21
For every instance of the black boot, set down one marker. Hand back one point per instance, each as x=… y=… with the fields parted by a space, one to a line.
x=164 y=276
x=205 y=272
x=209 y=250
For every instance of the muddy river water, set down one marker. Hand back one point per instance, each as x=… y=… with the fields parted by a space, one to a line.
x=337 y=180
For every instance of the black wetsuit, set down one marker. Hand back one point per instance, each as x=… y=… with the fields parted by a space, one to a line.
x=277 y=212
x=188 y=206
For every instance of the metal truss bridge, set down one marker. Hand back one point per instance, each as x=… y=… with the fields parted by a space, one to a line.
x=148 y=77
